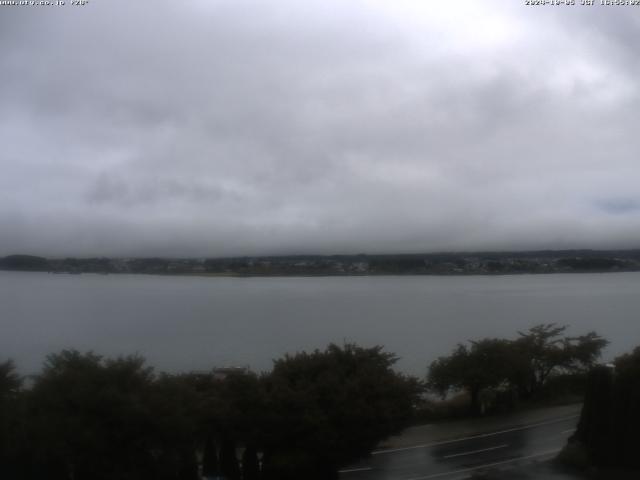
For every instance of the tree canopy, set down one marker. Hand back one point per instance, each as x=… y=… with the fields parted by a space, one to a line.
x=340 y=403
x=10 y=381
x=609 y=422
x=543 y=351
x=85 y=416
x=90 y=417
x=524 y=364
x=484 y=364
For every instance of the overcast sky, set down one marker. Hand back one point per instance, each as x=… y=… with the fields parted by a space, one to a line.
x=210 y=128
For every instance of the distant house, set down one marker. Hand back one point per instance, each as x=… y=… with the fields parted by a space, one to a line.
x=221 y=373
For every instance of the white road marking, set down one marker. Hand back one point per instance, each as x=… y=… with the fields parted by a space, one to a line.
x=568 y=431
x=488 y=465
x=351 y=470
x=476 y=451
x=483 y=435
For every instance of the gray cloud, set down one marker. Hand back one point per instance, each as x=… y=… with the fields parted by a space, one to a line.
x=221 y=128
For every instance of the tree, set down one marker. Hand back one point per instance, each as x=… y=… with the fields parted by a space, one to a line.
x=250 y=464
x=524 y=364
x=330 y=407
x=175 y=403
x=210 y=458
x=626 y=416
x=10 y=381
x=609 y=422
x=542 y=351
x=89 y=418
x=228 y=462
x=484 y=364
x=10 y=417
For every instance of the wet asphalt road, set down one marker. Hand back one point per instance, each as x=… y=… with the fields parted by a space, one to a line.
x=460 y=458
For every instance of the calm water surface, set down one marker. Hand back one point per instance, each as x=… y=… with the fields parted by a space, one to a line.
x=186 y=323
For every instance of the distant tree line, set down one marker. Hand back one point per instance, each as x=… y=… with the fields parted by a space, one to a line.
x=88 y=417
x=361 y=264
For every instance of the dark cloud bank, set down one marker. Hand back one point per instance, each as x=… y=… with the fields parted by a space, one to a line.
x=249 y=127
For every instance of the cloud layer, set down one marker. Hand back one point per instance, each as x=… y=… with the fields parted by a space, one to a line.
x=247 y=127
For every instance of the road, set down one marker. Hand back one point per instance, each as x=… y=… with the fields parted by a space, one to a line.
x=458 y=458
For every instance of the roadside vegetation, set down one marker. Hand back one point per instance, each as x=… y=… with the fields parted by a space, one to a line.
x=497 y=374
x=89 y=417
x=605 y=444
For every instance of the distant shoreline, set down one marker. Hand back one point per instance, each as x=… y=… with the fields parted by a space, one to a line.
x=434 y=264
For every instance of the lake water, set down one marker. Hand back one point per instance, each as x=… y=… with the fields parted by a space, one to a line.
x=195 y=323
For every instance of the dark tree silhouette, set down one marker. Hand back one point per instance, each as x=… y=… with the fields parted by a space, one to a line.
x=608 y=428
x=87 y=416
x=10 y=418
x=228 y=462
x=92 y=418
x=524 y=364
x=250 y=464
x=543 y=351
x=210 y=465
x=10 y=381
x=330 y=407
x=484 y=364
